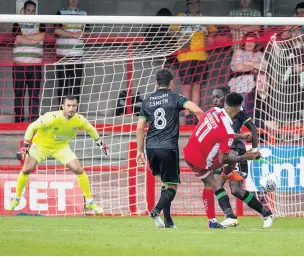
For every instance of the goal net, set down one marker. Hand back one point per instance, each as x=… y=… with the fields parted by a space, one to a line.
x=279 y=113
x=111 y=66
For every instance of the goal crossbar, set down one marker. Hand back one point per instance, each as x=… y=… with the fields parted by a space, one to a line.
x=219 y=20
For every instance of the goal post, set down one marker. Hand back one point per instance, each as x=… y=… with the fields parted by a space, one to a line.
x=113 y=64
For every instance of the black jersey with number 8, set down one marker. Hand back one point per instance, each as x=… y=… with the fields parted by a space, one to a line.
x=161 y=110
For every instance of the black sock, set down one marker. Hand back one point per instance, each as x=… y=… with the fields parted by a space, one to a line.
x=224 y=203
x=166 y=210
x=255 y=204
x=165 y=198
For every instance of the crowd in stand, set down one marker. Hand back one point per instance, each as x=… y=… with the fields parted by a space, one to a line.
x=192 y=60
x=28 y=54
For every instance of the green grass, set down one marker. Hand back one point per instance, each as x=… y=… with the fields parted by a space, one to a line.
x=137 y=236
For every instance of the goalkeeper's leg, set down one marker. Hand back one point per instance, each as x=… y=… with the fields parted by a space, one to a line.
x=84 y=185
x=29 y=165
x=67 y=157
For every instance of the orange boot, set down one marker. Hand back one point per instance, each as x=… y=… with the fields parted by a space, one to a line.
x=234 y=175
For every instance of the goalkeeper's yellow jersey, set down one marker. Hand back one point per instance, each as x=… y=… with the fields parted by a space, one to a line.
x=54 y=131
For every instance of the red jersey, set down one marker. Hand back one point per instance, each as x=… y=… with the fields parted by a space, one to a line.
x=213 y=134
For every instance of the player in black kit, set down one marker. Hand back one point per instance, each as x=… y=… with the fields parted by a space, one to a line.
x=236 y=178
x=161 y=112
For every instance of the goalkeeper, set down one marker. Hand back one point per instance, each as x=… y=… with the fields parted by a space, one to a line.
x=54 y=131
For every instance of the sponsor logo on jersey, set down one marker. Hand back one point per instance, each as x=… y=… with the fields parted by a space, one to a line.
x=61 y=138
x=230 y=141
x=74 y=128
x=55 y=130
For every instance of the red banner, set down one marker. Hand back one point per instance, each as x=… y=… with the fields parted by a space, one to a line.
x=45 y=194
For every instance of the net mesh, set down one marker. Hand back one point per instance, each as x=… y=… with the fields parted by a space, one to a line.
x=279 y=112
x=112 y=69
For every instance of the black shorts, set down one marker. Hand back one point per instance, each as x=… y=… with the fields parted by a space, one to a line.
x=164 y=163
x=193 y=72
x=240 y=166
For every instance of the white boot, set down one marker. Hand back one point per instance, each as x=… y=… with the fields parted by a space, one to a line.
x=229 y=222
x=268 y=220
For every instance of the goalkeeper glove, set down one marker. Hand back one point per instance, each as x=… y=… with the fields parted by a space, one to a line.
x=103 y=147
x=23 y=152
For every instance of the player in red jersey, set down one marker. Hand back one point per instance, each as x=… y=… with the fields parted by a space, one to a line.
x=208 y=149
x=237 y=176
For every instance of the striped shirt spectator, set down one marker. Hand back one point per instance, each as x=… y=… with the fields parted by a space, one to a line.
x=238 y=31
x=70 y=45
x=28 y=53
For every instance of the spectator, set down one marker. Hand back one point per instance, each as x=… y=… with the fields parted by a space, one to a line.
x=28 y=53
x=263 y=105
x=294 y=31
x=160 y=37
x=155 y=34
x=245 y=63
x=276 y=102
x=238 y=31
x=258 y=97
x=193 y=57
x=69 y=44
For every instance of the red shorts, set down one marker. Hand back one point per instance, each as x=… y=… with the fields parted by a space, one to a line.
x=203 y=173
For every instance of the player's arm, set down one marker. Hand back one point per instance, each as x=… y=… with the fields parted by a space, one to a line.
x=183 y=103
x=91 y=130
x=41 y=123
x=254 y=133
x=240 y=136
x=140 y=136
x=192 y=107
x=29 y=133
x=224 y=151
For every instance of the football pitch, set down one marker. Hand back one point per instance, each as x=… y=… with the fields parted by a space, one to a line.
x=138 y=236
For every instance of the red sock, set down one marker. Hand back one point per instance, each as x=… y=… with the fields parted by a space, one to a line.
x=208 y=198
